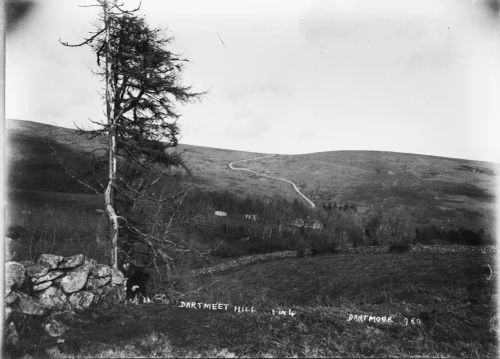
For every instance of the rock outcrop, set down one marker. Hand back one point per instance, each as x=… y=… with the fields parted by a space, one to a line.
x=56 y=283
x=15 y=275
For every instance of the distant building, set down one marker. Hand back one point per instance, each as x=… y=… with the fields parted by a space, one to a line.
x=317 y=225
x=298 y=222
x=252 y=217
x=307 y=223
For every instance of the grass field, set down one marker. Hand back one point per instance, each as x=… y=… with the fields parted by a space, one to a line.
x=449 y=294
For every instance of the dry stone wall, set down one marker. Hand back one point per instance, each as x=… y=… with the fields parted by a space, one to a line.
x=454 y=248
x=243 y=261
x=438 y=249
x=421 y=248
x=56 y=283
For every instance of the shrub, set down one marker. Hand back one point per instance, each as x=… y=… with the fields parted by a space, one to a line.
x=429 y=235
x=401 y=246
x=273 y=244
x=228 y=251
x=322 y=245
x=433 y=235
x=467 y=237
x=17 y=232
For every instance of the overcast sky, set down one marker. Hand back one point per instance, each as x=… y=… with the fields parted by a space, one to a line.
x=290 y=77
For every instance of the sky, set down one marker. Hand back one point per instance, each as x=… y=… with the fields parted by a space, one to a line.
x=289 y=76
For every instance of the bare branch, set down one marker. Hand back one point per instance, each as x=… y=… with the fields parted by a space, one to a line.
x=95 y=5
x=69 y=172
x=128 y=11
x=85 y=42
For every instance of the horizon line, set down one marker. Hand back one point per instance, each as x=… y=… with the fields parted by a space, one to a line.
x=285 y=154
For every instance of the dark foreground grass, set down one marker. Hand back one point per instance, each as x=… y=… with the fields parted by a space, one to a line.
x=449 y=294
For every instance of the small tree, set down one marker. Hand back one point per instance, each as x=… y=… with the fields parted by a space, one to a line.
x=373 y=227
x=142 y=86
x=395 y=226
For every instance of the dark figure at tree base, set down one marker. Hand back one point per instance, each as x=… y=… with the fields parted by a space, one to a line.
x=136 y=284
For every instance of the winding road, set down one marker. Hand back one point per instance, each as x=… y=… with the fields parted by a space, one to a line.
x=231 y=166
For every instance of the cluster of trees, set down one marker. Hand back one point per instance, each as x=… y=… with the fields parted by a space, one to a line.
x=340 y=229
x=274 y=210
x=433 y=235
x=387 y=227
x=234 y=235
x=345 y=207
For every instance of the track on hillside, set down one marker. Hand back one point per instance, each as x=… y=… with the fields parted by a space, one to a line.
x=231 y=166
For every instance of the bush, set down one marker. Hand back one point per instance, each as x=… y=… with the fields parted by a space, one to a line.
x=229 y=251
x=323 y=245
x=401 y=246
x=467 y=237
x=301 y=252
x=268 y=245
x=429 y=235
x=433 y=235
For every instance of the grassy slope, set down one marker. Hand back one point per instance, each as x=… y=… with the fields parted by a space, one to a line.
x=449 y=294
x=432 y=190
x=29 y=154
x=442 y=191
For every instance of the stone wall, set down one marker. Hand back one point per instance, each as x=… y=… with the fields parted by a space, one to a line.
x=247 y=260
x=243 y=261
x=453 y=248
x=421 y=248
x=55 y=283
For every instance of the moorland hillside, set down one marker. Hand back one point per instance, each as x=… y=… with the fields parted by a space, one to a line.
x=444 y=192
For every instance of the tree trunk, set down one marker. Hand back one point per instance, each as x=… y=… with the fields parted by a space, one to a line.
x=109 y=193
x=112 y=218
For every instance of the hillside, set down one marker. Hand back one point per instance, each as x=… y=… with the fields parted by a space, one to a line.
x=441 y=191
x=440 y=303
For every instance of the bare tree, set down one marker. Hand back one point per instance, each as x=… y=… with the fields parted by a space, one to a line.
x=142 y=86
